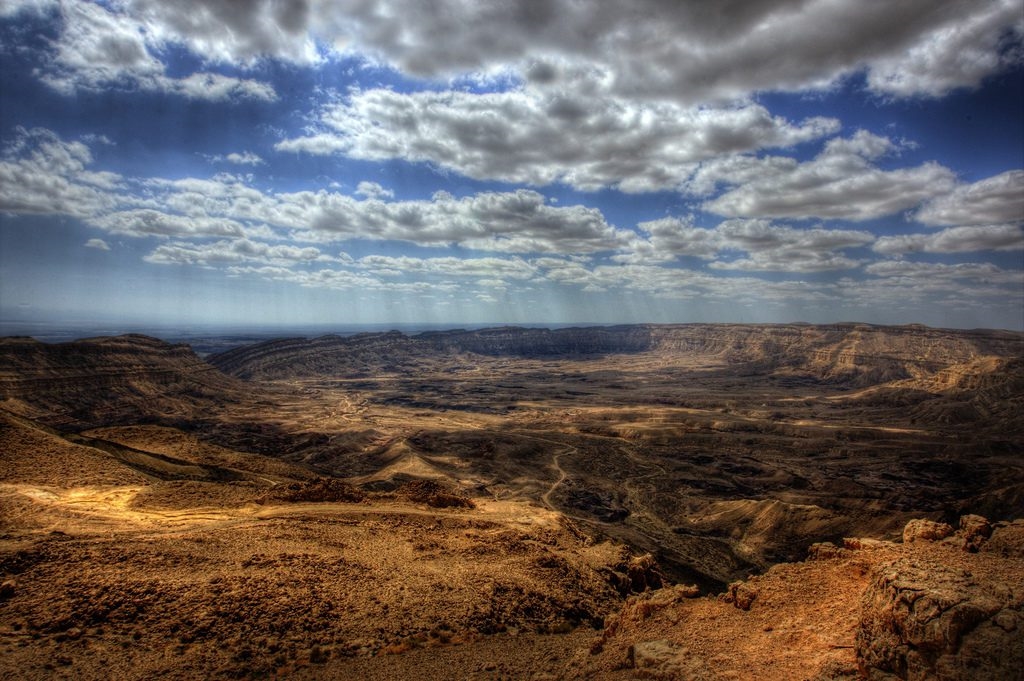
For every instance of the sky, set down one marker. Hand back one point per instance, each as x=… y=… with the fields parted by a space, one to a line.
x=283 y=162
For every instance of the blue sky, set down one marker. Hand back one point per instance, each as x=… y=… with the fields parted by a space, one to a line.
x=454 y=162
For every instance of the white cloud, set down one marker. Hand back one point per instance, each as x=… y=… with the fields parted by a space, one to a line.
x=912 y=288
x=9 y=8
x=942 y=272
x=41 y=173
x=538 y=138
x=214 y=87
x=499 y=269
x=690 y=51
x=841 y=182
x=954 y=55
x=970 y=238
x=341 y=279
x=245 y=158
x=99 y=244
x=519 y=221
x=98 y=48
x=230 y=252
x=224 y=31
x=149 y=222
x=995 y=199
x=678 y=283
x=373 y=190
x=768 y=247
x=224 y=222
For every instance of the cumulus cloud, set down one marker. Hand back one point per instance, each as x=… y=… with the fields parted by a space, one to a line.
x=373 y=190
x=677 y=283
x=911 y=287
x=42 y=173
x=224 y=222
x=245 y=158
x=230 y=252
x=841 y=182
x=689 y=52
x=766 y=246
x=965 y=239
x=221 y=30
x=693 y=52
x=935 y=272
x=340 y=279
x=538 y=138
x=498 y=269
x=150 y=222
x=520 y=221
x=99 y=48
x=995 y=199
x=10 y=8
x=99 y=244
x=954 y=55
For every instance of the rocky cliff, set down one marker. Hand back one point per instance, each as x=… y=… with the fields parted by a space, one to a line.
x=854 y=354
x=107 y=380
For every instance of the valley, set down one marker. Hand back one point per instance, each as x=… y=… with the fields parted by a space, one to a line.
x=310 y=504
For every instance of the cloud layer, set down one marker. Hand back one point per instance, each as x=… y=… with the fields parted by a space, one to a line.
x=520 y=240
x=691 y=53
x=540 y=138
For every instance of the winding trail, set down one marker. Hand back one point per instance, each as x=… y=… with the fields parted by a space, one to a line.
x=562 y=475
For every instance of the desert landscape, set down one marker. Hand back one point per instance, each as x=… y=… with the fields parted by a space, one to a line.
x=512 y=340
x=701 y=501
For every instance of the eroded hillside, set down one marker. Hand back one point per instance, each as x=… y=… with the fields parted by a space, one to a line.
x=99 y=381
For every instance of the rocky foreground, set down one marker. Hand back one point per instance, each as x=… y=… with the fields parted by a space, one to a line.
x=942 y=604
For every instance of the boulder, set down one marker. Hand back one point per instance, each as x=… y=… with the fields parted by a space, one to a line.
x=920 y=529
x=975 y=531
x=740 y=594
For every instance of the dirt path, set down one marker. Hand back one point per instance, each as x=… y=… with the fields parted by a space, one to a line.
x=562 y=475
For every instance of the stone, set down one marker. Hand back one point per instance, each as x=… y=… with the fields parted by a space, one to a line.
x=974 y=531
x=920 y=529
x=741 y=594
x=663 y=659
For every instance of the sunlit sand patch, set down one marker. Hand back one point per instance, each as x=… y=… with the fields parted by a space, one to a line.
x=106 y=504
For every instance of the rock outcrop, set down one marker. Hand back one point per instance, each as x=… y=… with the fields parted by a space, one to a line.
x=942 y=609
x=933 y=617
x=924 y=620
